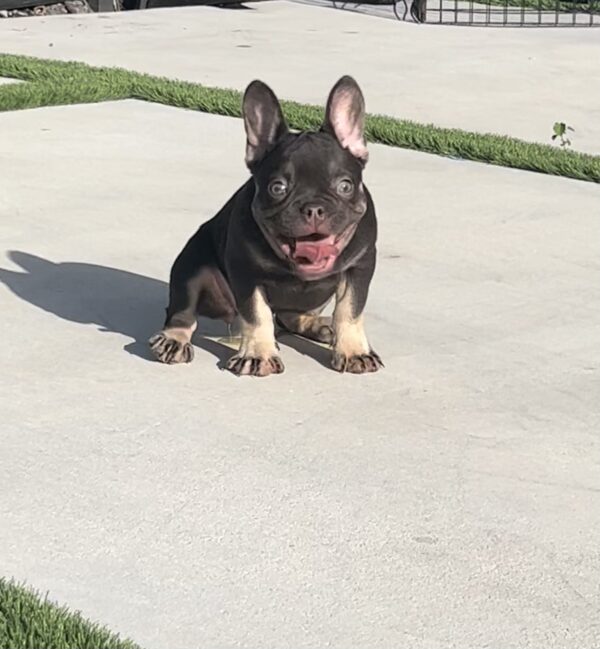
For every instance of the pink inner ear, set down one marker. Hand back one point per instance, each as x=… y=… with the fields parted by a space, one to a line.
x=347 y=126
x=255 y=130
x=252 y=132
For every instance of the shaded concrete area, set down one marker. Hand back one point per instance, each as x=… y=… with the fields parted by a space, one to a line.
x=509 y=81
x=448 y=501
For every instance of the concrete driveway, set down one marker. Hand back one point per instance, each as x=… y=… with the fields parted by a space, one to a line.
x=448 y=501
x=510 y=81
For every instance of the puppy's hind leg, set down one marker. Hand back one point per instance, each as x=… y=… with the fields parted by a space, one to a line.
x=197 y=287
x=309 y=325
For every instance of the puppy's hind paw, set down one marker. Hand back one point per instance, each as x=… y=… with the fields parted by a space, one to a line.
x=171 y=348
x=357 y=364
x=253 y=366
x=324 y=334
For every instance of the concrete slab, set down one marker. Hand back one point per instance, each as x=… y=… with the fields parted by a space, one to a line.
x=449 y=501
x=510 y=81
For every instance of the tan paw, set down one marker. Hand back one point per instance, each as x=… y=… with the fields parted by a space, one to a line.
x=170 y=350
x=253 y=366
x=357 y=364
x=324 y=334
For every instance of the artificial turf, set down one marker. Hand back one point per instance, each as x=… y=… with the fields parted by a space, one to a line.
x=51 y=83
x=30 y=621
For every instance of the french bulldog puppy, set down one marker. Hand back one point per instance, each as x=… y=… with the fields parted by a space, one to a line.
x=300 y=231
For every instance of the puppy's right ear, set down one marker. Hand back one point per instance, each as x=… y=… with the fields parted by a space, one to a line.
x=263 y=121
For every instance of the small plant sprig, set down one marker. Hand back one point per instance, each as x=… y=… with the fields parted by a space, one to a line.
x=560 y=131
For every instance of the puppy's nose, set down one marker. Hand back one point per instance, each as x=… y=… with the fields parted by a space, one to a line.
x=313 y=212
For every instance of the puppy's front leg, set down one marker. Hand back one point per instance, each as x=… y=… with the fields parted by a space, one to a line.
x=258 y=354
x=351 y=349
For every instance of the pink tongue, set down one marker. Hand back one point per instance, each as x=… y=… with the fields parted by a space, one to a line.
x=314 y=251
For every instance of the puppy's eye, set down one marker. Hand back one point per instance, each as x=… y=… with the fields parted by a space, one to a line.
x=345 y=187
x=278 y=188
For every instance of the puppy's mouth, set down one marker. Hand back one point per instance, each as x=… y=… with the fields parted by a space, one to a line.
x=315 y=254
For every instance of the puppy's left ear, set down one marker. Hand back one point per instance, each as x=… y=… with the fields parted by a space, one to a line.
x=345 y=117
x=263 y=121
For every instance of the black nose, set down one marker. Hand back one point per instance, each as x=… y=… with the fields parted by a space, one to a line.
x=313 y=212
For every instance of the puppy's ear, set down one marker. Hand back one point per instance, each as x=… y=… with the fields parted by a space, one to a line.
x=345 y=117
x=263 y=121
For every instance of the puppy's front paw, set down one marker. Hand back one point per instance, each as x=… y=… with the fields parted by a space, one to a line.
x=356 y=364
x=171 y=348
x=254 y=366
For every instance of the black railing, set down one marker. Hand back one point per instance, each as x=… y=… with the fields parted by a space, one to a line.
x=491 y=13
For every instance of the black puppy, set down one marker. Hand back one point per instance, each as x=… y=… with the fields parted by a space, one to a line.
x=299 y=231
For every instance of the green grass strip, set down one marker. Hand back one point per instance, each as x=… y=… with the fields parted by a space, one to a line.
x=35 y=94
x=28 y=621
x=57 y=83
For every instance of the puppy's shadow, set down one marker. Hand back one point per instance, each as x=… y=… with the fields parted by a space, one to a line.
x=307 y=348
x=115 y=300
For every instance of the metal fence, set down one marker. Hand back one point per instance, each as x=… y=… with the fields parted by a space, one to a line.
x=492 y=13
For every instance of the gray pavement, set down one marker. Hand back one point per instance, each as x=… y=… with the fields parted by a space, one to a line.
x=503 y=80
x=448 y=501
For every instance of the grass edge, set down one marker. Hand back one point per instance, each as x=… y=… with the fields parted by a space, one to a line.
x=69 y=82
